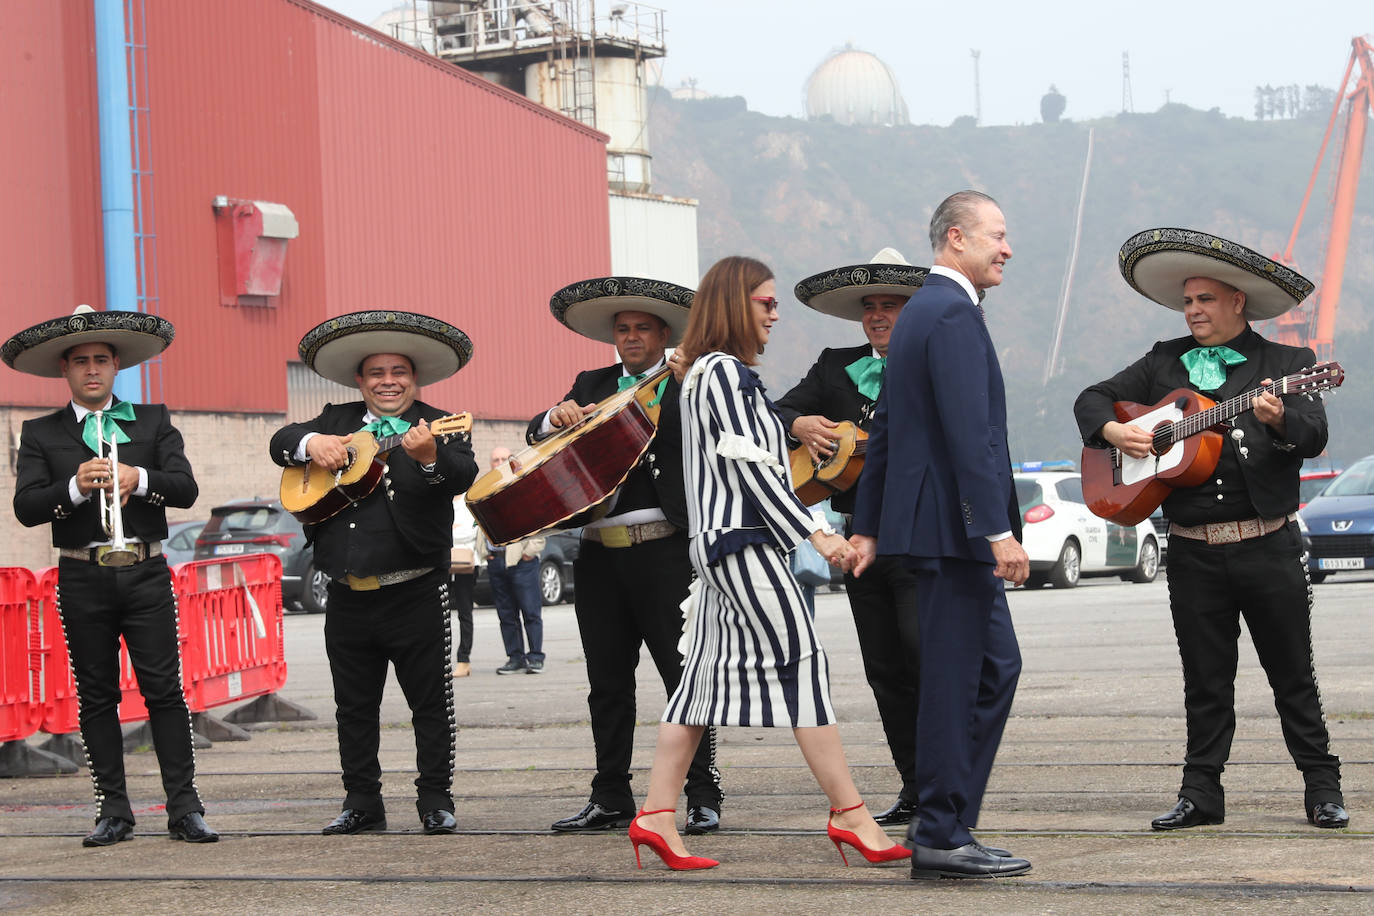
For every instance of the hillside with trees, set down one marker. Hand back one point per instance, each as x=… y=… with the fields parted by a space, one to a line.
x=805 y=196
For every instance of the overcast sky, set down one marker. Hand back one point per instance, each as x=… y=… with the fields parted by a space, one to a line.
x=1203 y=54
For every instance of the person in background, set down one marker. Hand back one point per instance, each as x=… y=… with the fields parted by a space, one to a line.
x=462 y=577
x=513 y=571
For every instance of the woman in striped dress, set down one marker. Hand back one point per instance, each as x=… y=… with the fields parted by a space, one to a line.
x=752 y=654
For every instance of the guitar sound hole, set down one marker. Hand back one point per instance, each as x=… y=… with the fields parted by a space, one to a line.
x=1163 y=439
x=352 y=457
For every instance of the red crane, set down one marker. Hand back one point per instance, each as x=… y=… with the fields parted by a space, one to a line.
x=1314 y=325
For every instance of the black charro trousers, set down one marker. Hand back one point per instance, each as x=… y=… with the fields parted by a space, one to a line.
x=628 y=596
x=1263 y=580
x=98 y=604
x=405 y=625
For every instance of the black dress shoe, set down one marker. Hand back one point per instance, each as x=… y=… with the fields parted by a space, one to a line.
x=438 y=821
x=900 y=813
x=994 y=850
x=193 y=829
x=593 y=817
x=1184 y=814
x=1328 y=814
x=968 y=861
x=354 y=820
x=701 y=819
x=108 y=831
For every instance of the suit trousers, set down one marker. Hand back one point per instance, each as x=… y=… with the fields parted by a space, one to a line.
x=970 y=663
x=515 y=592
x=883 y=602
x=1211 y=587
x=405 y=625
x=460 y=586
x=628 y=597
x=98 y=604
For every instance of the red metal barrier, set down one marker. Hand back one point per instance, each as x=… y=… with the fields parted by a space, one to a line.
x=20 y=708
x=223 y=659
x=231 y=613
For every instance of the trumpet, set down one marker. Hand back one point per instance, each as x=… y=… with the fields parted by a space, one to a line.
x=111 y=512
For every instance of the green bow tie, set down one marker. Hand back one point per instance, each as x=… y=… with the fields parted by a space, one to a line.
x=121 y=411
x=1207 y=366
x=867 y=374
x=387 y=426
x=629 y=381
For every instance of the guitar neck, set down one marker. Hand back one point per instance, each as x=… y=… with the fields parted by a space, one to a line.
x=1231 y=408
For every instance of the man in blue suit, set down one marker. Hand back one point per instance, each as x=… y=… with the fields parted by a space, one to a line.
x=937 y=489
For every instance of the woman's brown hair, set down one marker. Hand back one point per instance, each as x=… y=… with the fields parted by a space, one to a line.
x=722 y=316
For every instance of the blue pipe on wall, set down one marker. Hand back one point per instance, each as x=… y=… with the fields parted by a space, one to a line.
x=116 y=175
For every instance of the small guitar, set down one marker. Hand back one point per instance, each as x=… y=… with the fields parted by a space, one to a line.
x=575 y=469
x=813 y=480
x=312 y=493
x=1186 y=445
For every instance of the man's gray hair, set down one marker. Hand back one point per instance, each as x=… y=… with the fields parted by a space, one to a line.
x=958 y=209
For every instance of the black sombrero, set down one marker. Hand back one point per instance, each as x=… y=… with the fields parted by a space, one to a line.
x=1157 y=262
x=335 y=348
x=135 y=336
x=589 y=307
x=840 y=291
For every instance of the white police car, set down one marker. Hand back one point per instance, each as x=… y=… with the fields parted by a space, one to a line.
x=1065 y=541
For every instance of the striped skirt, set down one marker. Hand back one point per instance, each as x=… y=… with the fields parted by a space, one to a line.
x=753 y=657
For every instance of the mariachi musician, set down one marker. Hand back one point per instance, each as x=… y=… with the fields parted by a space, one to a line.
x=112 y=580
x=843 y=385
x=387 y=553
x=632 y=570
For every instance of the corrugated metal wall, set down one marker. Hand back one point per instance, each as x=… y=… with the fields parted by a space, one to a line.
x=416 y=186
x=50 y=232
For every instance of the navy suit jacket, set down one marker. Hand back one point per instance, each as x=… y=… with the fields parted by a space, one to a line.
x=937 y=479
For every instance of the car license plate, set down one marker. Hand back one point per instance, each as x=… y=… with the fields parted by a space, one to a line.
x=1341 y=562
x=225 y=549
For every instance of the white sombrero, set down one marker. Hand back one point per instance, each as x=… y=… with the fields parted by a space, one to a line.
x=841 y=291
x=589 y=307
x=335 y=348
x=135 y=336
x=1157 y=262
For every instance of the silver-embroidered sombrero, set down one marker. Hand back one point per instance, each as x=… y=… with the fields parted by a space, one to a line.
x=840 y=291
x=589 y=307
x=336 y=348
x=1157 y=262
x=135 y=336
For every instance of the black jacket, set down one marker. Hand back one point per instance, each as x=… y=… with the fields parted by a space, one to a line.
x=51 y=449
x=828 y=391
x=663 y=461
x=1270 y=466
x=407 y=521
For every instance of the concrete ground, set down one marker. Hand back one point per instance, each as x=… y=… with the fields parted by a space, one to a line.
x=1092 y=752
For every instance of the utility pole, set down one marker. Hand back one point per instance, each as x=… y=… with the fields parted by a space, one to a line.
x=1126 y=103
x=977 y=91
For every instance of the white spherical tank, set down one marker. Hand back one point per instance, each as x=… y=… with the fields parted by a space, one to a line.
x=855 y=87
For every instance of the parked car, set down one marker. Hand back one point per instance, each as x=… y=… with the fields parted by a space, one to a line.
x=555 y=569
x=180 y=544
x=247 y=526
x=1065 y=541
x=1338 y=526
x=1312 y=483
x=1161 y=525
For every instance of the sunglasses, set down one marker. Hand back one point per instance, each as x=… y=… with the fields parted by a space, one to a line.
x=769 y=302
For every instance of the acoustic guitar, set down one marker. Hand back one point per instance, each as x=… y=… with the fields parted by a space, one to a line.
x=1186 y=445
x=575 y=469
x=814 y=481
x=313 y=493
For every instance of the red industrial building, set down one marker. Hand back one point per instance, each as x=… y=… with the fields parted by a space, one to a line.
x=415 y=185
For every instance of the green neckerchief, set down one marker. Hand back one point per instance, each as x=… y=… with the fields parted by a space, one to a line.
x=387 y=426
x=1207 y=366
x=629 y=381
x=867 y=374
x=121 y=411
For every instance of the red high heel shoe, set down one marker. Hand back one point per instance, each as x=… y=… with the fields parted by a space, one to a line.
x=837 y=836
x=639 y=836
